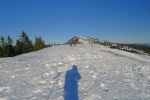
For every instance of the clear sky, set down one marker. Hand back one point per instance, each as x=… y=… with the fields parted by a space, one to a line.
x=58 y=20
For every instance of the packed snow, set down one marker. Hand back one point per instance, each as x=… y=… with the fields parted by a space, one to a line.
x=106 y=74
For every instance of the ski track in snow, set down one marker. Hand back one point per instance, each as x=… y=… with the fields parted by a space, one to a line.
x=106 y=74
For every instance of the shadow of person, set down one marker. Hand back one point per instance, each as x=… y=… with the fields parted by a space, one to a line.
x=71 y=84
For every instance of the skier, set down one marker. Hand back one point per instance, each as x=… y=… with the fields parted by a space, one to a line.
x=71 y=84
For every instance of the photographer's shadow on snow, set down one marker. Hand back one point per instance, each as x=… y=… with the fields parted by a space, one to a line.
x=71 y=84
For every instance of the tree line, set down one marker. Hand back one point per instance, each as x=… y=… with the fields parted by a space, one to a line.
x=22 y=45
x=134 y=48
x=144 y=48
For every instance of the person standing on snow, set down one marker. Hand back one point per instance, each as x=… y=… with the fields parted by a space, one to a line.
x=75 y=40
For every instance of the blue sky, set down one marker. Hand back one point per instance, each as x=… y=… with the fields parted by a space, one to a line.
x=125 y=21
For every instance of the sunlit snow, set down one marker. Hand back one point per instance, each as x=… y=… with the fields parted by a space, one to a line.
x=106 y=74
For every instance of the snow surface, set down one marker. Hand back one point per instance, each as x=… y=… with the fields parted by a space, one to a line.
x=106 y=74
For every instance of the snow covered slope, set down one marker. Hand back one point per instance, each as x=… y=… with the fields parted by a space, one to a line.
x=87 y=40
x=106 y=74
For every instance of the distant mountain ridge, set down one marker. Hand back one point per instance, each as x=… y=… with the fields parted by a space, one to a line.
x=86 y=40
x=138 y=48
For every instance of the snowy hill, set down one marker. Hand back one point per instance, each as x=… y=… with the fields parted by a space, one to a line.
x=87 y=40
x=106 y=74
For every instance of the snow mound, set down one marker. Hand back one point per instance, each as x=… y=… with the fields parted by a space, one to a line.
x=106 y=74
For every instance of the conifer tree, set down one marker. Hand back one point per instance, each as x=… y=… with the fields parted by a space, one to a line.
x=11 y=49
x=19 y=47
x=25 y=42
x=10 y=41
x=7 y=49
x=39 y=43
x=2 y=41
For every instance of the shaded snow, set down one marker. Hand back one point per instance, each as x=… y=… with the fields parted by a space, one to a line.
x=106 y=74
